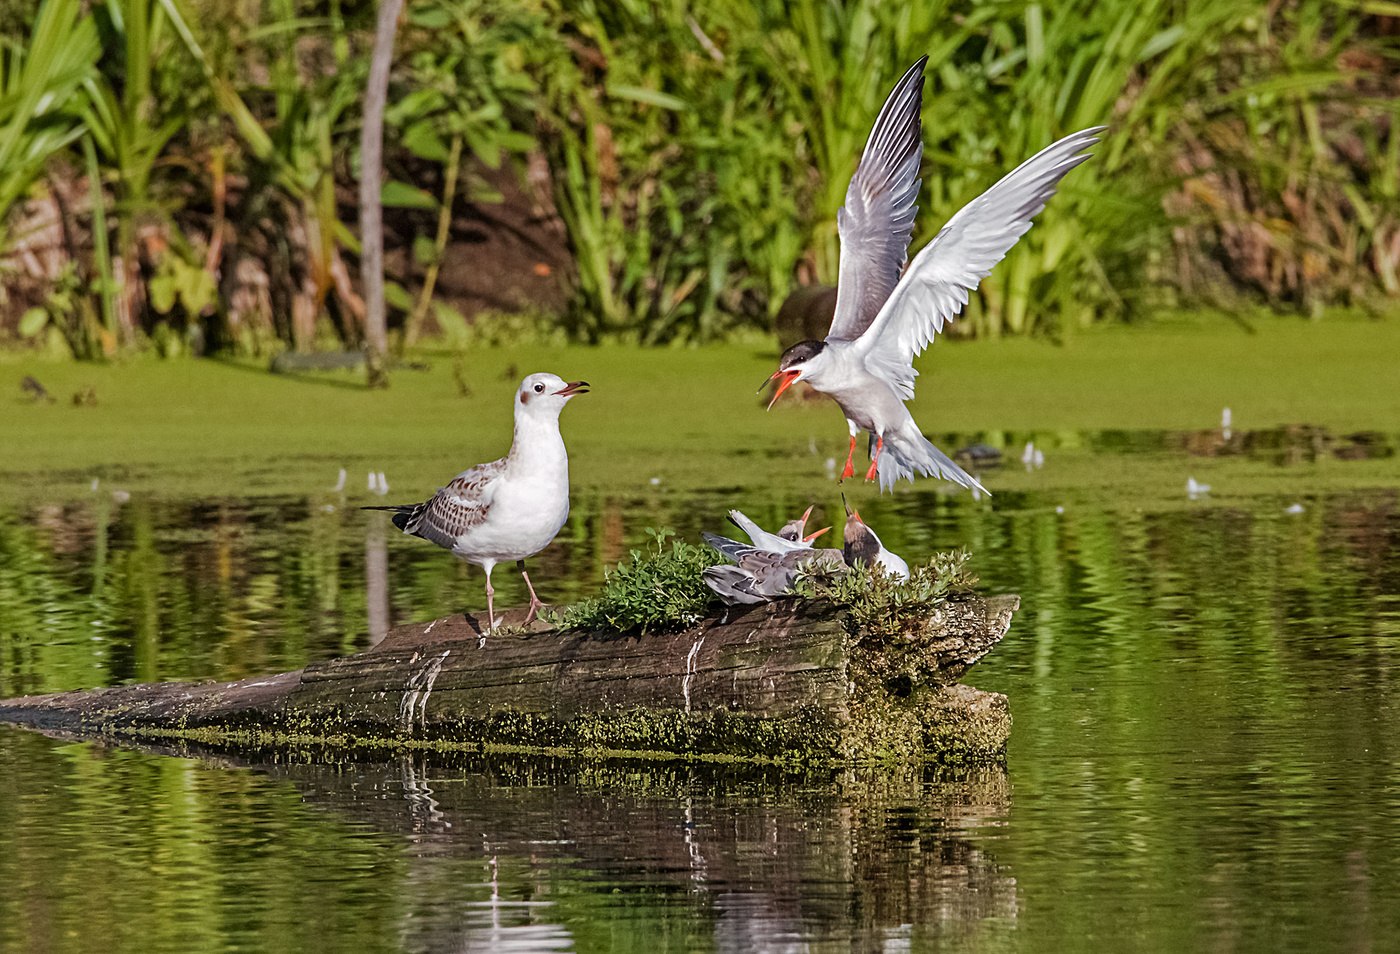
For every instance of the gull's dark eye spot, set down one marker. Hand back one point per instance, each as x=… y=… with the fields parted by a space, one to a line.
x=539 y=389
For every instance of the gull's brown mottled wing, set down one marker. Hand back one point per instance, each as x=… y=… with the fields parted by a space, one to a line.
x=456 y=508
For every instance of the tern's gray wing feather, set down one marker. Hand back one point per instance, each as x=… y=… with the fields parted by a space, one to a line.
x=732 y=585
x=935 y=287
x=761 y=575
x=457 y=508
x=878 y=217
x=733 y=549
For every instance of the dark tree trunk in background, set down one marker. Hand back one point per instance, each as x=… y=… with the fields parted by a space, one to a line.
x=371 y=214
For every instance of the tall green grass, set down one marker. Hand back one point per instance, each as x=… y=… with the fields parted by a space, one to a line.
x=697 y=154
x=39 y=81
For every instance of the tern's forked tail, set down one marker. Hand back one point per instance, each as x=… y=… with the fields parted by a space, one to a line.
x=907 y=453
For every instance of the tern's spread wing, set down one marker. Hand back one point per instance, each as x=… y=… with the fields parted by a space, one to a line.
x=461 y=505
x=935 y=287
x=878 y=217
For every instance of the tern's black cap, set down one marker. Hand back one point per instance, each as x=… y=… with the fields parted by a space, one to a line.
x=802 y=351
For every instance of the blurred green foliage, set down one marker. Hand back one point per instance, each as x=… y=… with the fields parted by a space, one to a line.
x=695 y=158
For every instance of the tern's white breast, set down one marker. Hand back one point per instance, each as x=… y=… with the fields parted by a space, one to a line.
x=867 y=399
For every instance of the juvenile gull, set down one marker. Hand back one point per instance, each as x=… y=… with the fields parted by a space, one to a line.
x=886 y=314
x=508 y=509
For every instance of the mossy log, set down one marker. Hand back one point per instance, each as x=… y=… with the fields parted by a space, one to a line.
x=781 y=682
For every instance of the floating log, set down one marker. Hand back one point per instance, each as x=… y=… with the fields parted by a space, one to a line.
x=782 y=682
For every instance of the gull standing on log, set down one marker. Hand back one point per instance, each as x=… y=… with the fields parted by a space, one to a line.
x=887 y=314
x=508 y=509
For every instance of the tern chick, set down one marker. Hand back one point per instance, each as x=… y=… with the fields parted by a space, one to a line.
x=793 y=535
x=863 y=546
x=759 y=575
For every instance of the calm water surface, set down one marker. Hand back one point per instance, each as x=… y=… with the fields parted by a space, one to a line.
x=1206 y=752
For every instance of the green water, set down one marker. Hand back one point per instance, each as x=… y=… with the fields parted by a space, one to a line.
x=1206 y=691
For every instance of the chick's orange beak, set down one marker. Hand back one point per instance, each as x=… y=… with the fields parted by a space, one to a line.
x=814 y=534
x=786 y=380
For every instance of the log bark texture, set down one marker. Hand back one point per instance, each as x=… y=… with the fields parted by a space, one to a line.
x=782 y=682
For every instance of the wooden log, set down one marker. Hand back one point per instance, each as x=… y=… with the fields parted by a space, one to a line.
x=784 y=682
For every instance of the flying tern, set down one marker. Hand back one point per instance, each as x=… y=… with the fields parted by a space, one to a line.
x=886 y=314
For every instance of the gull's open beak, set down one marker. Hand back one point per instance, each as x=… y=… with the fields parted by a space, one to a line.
x=789 y=377
x=572 y=388
x=814 y=534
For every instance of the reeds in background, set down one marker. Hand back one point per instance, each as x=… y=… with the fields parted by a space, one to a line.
x=694 y=155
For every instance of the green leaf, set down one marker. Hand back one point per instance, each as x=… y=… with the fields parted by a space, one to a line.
x=163 y=289
x=651 y=97
x=33 y=322
x=197 y=288
x=397 y=297
x=453 y=323
x=483 y=145
x=424 y=251
x=423 y=141
x=416 y=105
x=430 y=18
x=401 y=195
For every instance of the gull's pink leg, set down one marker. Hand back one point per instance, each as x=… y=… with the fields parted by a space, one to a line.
x=874 y=461
x=490 y=606
x=535 y=603
x=850 y=470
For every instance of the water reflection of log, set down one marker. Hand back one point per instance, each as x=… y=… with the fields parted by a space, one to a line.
x=768 y=860
x=782 y=681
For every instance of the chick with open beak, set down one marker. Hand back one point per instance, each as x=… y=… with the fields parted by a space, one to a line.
x=863 y=546
x=796 y=530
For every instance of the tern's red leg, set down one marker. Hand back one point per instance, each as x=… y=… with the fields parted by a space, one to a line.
x=850 y=470
x=535 y=604
x=875 y=461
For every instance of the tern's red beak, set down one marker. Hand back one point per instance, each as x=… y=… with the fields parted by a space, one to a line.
x=573 y=387
x=814 y=534
x=788 y=378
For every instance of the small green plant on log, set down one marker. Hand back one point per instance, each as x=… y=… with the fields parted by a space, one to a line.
x=882 y=608
x=661 y=588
